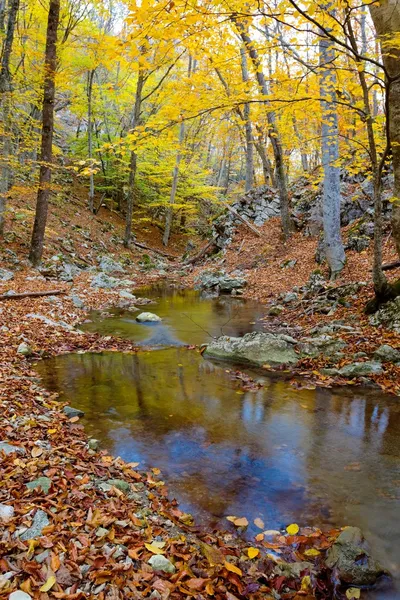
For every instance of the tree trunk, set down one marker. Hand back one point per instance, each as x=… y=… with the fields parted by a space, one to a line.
x=175 y=175
x=273 y=132
x=5 y=89
x=247 y=127
x=90 y=136
x=386 y=18
x=133 y=160
x=330 y=153
x=42 y=201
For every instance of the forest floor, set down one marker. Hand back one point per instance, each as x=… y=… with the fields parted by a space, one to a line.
x=85 y=524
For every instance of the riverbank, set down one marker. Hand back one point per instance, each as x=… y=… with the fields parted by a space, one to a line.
x=79 y=523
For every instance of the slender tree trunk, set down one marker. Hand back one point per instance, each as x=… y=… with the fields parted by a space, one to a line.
x=5 y=100
x=249 y=180
x=42 y=201
x=273 y=132
x=386 y=18
x=330 y=153
x=133 y=160
x=175 y=175
x=90 y=77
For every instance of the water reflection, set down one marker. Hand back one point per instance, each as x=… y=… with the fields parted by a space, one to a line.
x=312 y=457
x=187 y=318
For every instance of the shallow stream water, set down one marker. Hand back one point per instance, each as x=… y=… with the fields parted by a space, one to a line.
x=315 y=457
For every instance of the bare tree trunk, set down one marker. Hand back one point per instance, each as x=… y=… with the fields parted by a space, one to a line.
x=133 y=160
x=90 y=77
x=273 y=132
x=42 y=202
x=248 y=129
x=330 y=153
x=175 y=175
x=386 y=18
x=5 y=90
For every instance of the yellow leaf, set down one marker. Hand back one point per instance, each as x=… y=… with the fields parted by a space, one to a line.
x=252 y=552
x=306 y=583
x=238 y=521
x=259 y=523
x=230 y=567
x=154 y=549
x=49 y=584
x=353 y=593
x=292 y=529
x=312 y=552
x=51 y=431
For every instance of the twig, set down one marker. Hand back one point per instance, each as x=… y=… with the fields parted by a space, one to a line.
x=31 y=294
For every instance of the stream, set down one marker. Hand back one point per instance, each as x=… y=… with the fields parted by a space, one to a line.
x=323 y=457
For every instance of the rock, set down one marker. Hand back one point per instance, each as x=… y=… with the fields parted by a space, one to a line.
x=254 y=348
x=109 y=265
x=19 y=595
x=43 y=483
x=40 y=521
x=275 y=310
x=120 y=484
x=70 y=411
x=388 y=315
x=77 y=302
x=102 y=280
x=289 y=297
x=161 y=563
x=288 y=264
x=93 y=444
x=386 y=353
x=48 y=321
x=209 y=280
x=324 y=345
x=292 y=570
x=68 y=272
x=6 y=513
x=148 y=317
x=24 y=349
x=358 y=242
x=6 y=275
x=350 y=557
x=127 y=295
x=361 y=369
x=9 y=448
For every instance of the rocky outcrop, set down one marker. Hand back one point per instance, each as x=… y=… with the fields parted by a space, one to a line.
x=219 y=281
x=254 y=348
x=388 y=315
x=350 y=557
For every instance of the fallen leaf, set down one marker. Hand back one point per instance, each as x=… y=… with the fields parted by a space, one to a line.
x=312 y=552
x=49 y=584
x=238 y=521
x=36 y=451
x=253 y=552
x=259 y=523
x=353 y=593
x=292 y=529
x=154 y=548
x=232 y=568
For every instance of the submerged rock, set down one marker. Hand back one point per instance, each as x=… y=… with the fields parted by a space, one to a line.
x=361 y=369
x=254 y=348
x=148 y=317
x=350 y=557
x=70 y=411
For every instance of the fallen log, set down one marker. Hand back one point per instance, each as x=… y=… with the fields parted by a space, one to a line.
x=392 y=265
x=144 y=247
x=205 y=250
x=31 y=294
x=245 y=221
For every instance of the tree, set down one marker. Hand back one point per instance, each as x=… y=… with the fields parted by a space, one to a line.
x=331 y=199
x=46 y=153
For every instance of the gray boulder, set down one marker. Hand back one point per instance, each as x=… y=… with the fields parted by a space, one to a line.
x=6 y=275
x=68 y=272
x=350 y=557
x=323 y=344
x=148 y=317
x=24 y=349
x=388 y=315
x=386 y=353
x=161 y=563
x=70 y=411
x=361 y=369
x=254 y=348
x=109 y=265
x=209 y=280
x=40 y=521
